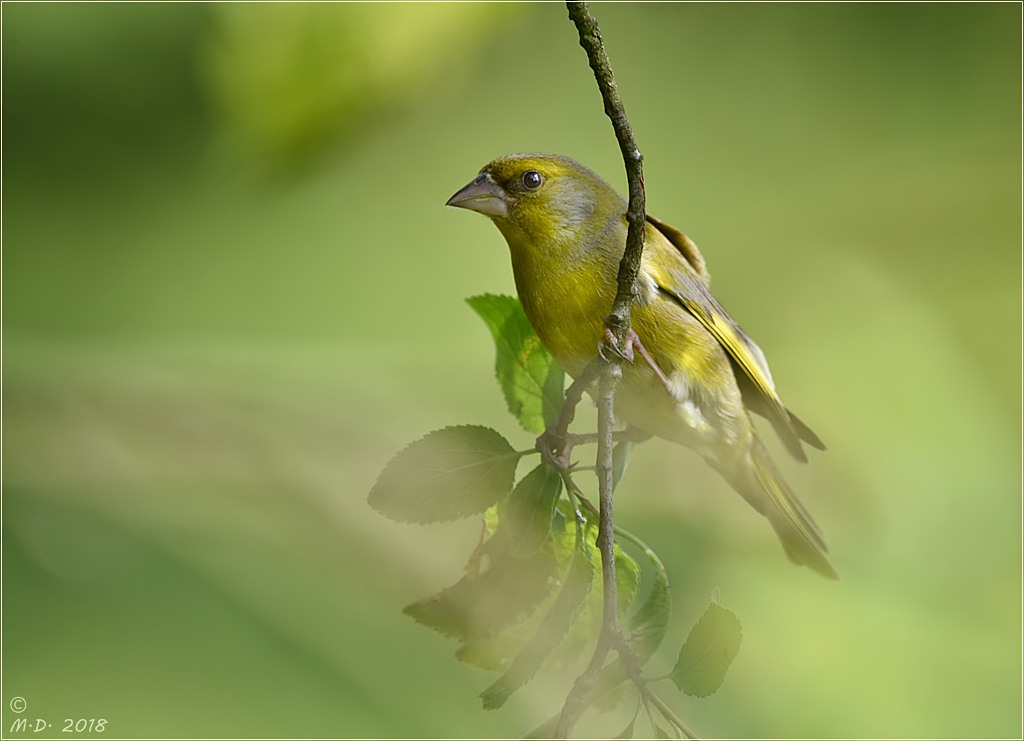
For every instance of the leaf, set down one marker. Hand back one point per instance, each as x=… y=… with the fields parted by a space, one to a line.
x=531 y=508
x=529 y=377
x=627 y=732
x=620 y=458
x=450 y=473
x=496 y=652
x=484 y=603
x=550 y=631
x=627 y=579
x=587 y=624
x=506 y=602
x=544 y=730
x=650 y=622
x=709 y=650
x=611 y=688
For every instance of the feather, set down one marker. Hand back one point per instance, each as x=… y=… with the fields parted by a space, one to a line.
x=686 y=246
x=744 y=354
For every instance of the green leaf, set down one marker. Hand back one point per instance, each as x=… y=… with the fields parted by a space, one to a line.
x=627 y=732
x=611 y=688
x=709 y=650
x=544 y=730
x=481 y=604
x=549 y=633
x=450 y=473
x=496 y=652
x=620 y=458
x=531 y=508
x=505 y=611
x=649 y=623
x=530 y=379
x=627 y=579
x=587 y=625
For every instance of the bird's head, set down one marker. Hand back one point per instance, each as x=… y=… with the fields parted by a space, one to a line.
x=541 y=200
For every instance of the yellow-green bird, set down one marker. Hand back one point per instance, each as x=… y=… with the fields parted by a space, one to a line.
x=566 y=231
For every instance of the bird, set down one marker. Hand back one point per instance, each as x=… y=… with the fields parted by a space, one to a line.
x=700 y=376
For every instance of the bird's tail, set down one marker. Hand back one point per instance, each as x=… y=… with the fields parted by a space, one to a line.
x=761 y=484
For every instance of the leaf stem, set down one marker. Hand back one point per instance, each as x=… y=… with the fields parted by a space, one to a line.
x=630 y=434
x=668 y=713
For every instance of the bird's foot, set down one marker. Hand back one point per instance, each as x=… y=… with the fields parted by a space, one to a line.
x=609 y=343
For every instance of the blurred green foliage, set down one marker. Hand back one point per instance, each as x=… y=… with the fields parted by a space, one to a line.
x=286 y=81
x=231 y=293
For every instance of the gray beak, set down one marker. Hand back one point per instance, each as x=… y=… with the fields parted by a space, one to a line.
x=482 y=195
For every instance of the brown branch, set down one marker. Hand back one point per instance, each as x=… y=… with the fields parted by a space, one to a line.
x=611 y=633
x=619 y=323
x=590 y=40
x=555 y=443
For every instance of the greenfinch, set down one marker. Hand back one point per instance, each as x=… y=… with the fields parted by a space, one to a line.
x=566 y=231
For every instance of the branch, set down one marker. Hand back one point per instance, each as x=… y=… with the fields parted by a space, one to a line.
x=611 y=633
x=619 y=323
x=590 y=40
x=555 y=443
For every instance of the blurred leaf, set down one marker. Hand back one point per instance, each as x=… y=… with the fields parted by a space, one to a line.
x=485 y=603
x=587 y=624
x=445 y=611
x=530 y=378
x=611 y=687
x=497 y=591
x=627 y=579
x=545 y=729
x=531 y=508
x=452 y=472
x=627 y=732
x=288 y=78
x=620 y=459
x=650 y=622
x=493 y=652
x=496 y=651
x=709 y=650
x=551 y=630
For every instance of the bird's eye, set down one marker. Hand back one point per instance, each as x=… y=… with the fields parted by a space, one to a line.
x=532 y=179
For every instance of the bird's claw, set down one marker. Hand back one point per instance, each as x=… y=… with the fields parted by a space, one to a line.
x=626 y=353
x=609 y=343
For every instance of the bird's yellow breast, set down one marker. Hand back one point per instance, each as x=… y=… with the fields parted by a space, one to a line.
x=567 y=307
x=567 y=304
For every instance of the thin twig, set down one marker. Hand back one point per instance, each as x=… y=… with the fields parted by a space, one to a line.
x=555 y=443
x=575 y=392
x=611 y=633
x=629 y=267
x=628 y=435
x=619 y=323
x=666 y=711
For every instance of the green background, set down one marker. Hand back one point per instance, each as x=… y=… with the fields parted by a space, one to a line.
x=231 y=292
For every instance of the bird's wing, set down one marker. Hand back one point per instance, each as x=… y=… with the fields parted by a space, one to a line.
x=756 y=403
x=687 y=247
x=679 y=281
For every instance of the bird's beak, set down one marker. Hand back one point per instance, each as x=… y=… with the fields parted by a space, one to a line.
x=482 y=195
